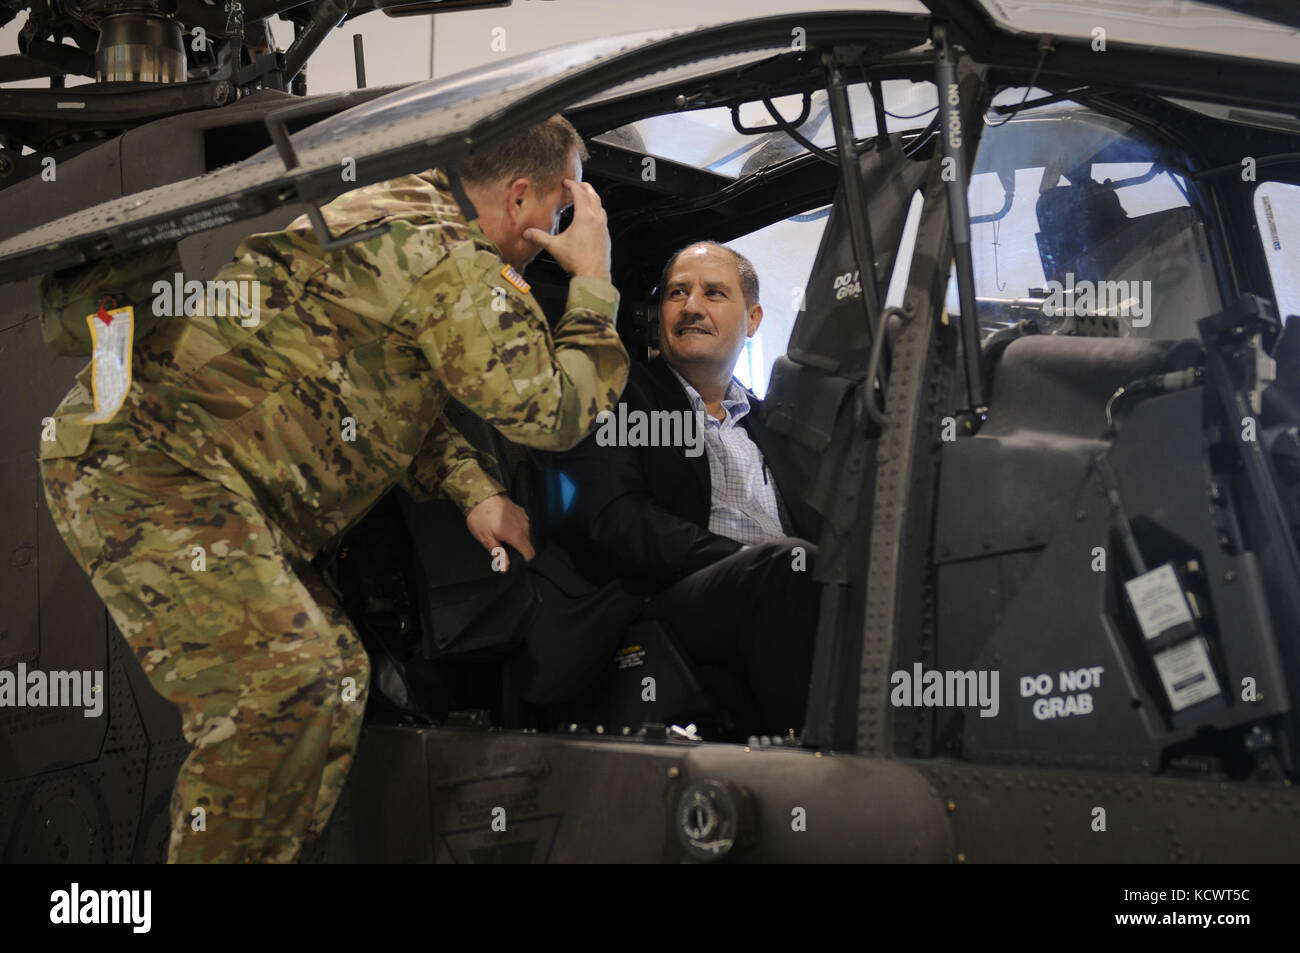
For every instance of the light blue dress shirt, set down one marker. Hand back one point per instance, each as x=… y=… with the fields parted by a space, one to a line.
x=743 y=505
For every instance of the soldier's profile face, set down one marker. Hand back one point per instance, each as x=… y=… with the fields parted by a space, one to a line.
x=542 y=210
x=703 y=318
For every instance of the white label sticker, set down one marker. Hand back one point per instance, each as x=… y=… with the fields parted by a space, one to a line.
x=1158 y=600
x=1186 y=673
x=111 y=374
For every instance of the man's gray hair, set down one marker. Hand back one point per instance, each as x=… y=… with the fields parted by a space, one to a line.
x=748 y=276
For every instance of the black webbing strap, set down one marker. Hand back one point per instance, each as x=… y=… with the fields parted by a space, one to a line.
x=462 y=198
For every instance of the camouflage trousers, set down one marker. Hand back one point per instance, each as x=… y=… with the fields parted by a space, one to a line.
x=269 y=675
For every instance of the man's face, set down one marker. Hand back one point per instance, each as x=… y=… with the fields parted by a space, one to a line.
x=703 y=319
x=531 y=208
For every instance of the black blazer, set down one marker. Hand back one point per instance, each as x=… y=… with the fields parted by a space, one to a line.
x=642 y=513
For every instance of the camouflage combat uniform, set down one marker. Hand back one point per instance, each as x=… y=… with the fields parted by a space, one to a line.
x=234 y=439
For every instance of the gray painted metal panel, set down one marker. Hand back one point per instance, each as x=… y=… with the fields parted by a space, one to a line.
x=421 y=795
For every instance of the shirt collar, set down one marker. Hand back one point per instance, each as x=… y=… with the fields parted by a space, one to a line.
x=735 y=402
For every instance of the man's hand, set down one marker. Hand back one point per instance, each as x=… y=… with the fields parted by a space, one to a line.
x=497 y=520
x=583 y=247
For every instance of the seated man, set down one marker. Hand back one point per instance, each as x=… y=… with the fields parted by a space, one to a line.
x=704 y=526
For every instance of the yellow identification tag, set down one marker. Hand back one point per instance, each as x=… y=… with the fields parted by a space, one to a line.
x=111 y=333
x=515 y=278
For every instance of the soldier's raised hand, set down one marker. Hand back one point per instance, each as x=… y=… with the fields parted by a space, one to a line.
x=583 y=247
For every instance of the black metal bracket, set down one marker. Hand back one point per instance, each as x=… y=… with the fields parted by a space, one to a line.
x=267 y=69
x=1244 y=318
x=773 y=127
x=276 y=126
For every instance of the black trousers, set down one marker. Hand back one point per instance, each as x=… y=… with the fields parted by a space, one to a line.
x=754 y=613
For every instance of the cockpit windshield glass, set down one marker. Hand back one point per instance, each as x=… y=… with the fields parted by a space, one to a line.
x=707 y=138
x=1083 y=224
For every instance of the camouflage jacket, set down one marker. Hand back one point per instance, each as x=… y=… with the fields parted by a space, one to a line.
x=336 y=392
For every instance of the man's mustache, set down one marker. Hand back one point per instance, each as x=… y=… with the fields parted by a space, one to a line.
x=685 y=326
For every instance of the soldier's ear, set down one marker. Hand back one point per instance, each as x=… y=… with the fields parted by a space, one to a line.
x=516 y=192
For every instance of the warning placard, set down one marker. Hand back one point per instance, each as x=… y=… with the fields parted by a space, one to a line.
x=1187 y=674
x=1158 y=600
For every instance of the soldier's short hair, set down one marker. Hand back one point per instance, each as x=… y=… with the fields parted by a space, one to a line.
x=748 y=276
x=542 y=154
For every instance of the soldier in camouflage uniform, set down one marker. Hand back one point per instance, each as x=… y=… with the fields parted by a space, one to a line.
x=240 y=451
